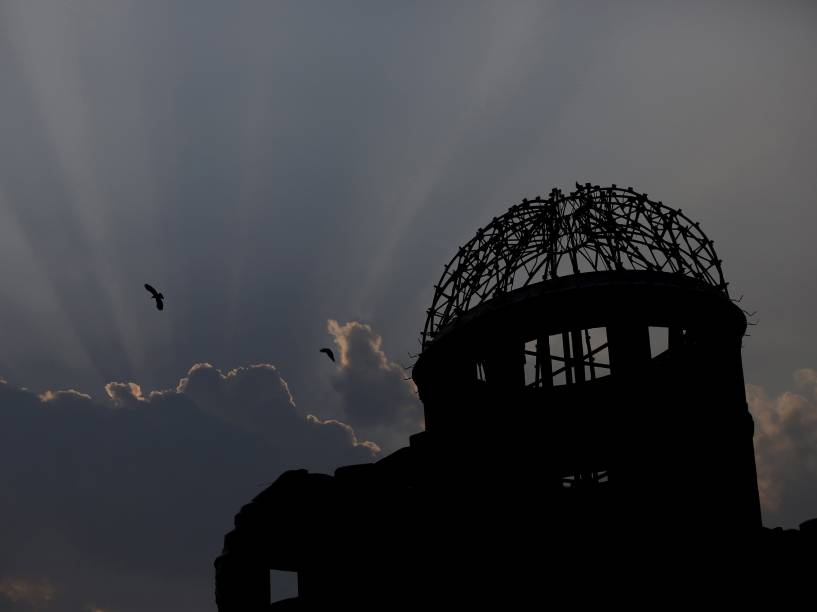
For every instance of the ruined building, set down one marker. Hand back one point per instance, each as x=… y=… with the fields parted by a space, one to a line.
x=583 y=391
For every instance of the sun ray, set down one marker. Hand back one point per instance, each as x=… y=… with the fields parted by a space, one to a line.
x=43 y=45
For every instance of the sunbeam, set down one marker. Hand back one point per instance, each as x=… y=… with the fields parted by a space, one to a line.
x=43 y=46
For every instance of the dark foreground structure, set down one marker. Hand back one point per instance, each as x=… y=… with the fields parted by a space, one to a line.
x=586 y=429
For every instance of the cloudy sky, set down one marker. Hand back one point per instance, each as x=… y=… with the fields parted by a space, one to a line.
x=294 y=175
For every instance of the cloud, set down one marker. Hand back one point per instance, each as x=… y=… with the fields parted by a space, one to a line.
x=23 y=594
x=257 y=400
x=786 y=451
x=806 y=379
x=124 y=394
x=377 y=399
x=122 y=503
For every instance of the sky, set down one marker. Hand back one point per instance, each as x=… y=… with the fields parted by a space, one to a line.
x=294 y=175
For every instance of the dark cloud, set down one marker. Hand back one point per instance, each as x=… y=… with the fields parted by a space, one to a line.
x=19 y=595
x=121 y=504
x=786 y=450
x=375 y=396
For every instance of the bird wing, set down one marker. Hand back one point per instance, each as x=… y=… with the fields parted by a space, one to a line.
x=160 y=304
x=151 y=289
x=329 y=353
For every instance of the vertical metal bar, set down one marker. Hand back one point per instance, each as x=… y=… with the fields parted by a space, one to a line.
x=543 y=362
x=537 y=381
x=568 y=360
x=589 y=353
x=578 y=355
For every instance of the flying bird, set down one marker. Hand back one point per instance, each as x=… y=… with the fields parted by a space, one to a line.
x=156 y=296
x=329 y=353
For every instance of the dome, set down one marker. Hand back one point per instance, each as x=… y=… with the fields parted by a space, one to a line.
x=591 y=229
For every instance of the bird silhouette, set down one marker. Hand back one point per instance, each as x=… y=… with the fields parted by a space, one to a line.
x=156 y=296
x=329 y=353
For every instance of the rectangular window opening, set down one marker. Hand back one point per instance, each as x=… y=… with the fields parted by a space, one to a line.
x=659 y=340
x=557 y=356
x=283 y=585
x=597 y=357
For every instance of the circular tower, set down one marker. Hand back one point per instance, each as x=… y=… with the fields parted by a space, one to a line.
x=584 y=346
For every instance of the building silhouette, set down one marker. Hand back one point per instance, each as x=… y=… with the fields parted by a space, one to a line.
x=583 y=391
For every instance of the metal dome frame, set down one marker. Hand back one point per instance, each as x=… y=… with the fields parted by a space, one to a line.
x=591 y=229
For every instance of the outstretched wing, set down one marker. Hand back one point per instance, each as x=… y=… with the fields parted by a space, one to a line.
x=159 y=303
x=153 y=291
x=329 y=353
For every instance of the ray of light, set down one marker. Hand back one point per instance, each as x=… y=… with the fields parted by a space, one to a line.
x=30 y=297
x=500 y=69
x=42 y=39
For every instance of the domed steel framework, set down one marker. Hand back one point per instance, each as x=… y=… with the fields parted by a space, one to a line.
x=591 y=229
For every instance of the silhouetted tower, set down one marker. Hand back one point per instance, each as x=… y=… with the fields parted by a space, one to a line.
x=584 y=400
x=590 y=340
